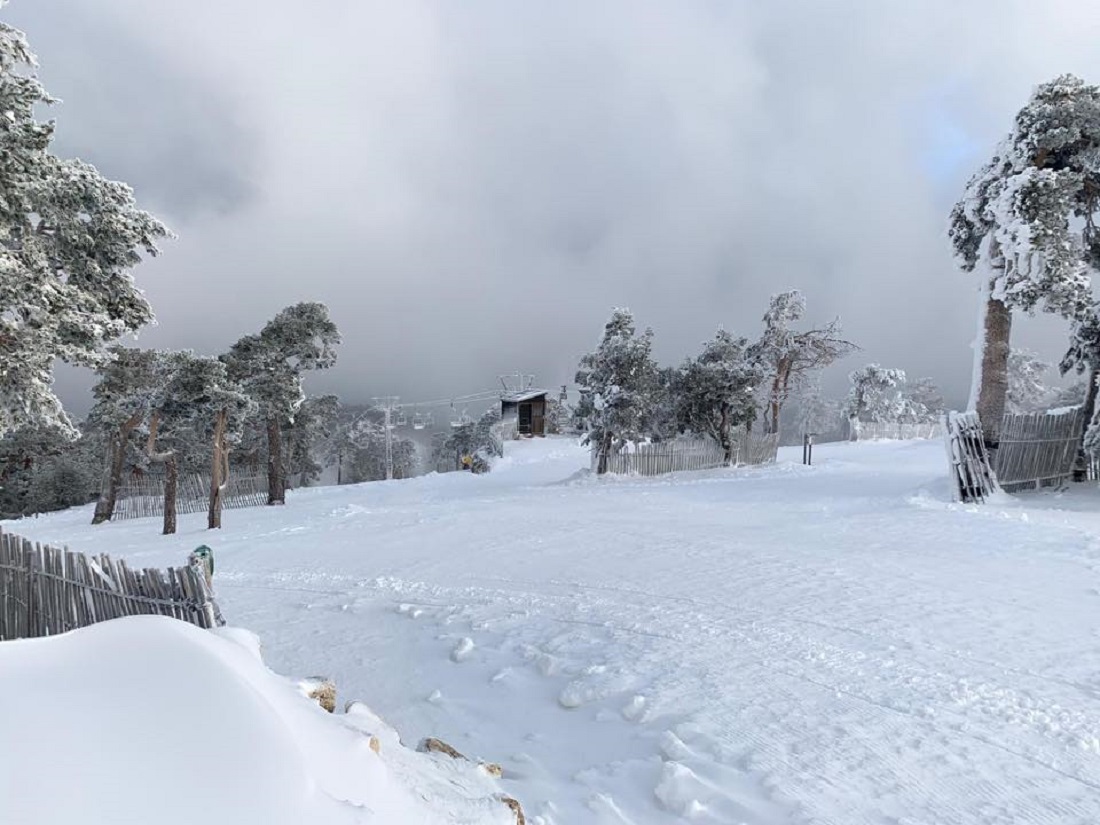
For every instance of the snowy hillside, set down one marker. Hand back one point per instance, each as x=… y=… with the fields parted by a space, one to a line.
x=837 y=644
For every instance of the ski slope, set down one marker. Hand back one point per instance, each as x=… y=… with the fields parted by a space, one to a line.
x=837 y=644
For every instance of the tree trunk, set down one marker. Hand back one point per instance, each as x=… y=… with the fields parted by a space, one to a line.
x=1081 y=465
x=219 y=472
x=778 y=396
x=993 y=383
x=604 y=454
x=171 y=484
x=105 y=505
x=725 y=438
x=276 y=484
x=853 y=428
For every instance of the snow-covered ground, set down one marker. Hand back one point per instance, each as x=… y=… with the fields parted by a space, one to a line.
x=150 y=720
x=837 y=644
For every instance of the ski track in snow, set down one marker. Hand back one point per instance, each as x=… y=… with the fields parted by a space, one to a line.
x=832 y=645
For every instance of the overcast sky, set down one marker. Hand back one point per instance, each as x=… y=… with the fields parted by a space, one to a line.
x=472 y=185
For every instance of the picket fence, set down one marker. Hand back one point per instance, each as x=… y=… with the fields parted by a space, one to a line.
x=47 y=590
x=893 y=430
x=682 y=455
x=143 y=496
x=972 y=476
x=1038 y=449
x=757 y=448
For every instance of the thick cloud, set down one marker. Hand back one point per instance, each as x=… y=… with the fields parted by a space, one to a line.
x=472 y=186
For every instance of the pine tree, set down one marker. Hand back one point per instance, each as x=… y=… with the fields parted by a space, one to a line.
x=715 y=391
x=68 y=241
x=1026 y=225
x=42 y=469
x=124 y=395
x=313 y=427
x=870 y=398
x=477 y=442
x=617 y=384
x=1083 y=357
x=786 y=357
x=923 y=399
x=815 y=414
x=1026 y=390
x=270 y=367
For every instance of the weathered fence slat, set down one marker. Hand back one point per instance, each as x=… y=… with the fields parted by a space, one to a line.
x=972 y=475
x=1038 y=449
x=898 y=431
x=47 y=590
x=682 y=455
x=143 y=496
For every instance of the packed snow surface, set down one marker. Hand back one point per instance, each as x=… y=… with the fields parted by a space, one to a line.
x=831 y=644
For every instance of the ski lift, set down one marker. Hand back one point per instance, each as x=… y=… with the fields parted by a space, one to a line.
x=399 y=418
x=418 y=422
x=462 y=420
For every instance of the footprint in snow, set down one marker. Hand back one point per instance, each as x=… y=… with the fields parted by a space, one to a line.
x=634 y=709
x=462 y=650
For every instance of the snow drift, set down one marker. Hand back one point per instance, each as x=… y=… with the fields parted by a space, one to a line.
x=148 y=719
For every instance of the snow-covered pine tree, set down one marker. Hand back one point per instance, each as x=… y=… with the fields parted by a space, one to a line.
x=307 y=438
x=617 y=383
x=559 y=416
x=364 y=450
x=1026 y=225
x=816 y=414
x=870 y=398
x=69 y=239
x=714 y=393
x=1083 y=358
x=479 y=440
x=124 y=395
x=1026 y=390
x=663 y=422
x=61 y=481
x=270 y=367
x=786 y=357
x=42 y=469
x=923 y=400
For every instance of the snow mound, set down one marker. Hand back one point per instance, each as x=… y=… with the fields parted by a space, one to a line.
x=149 y=719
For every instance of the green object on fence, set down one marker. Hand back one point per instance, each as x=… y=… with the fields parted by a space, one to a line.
x=207 y=555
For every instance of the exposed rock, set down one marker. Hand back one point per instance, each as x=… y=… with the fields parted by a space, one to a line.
x=431 y=745
x=516 y=809
x=493 y=769
x=322 y=691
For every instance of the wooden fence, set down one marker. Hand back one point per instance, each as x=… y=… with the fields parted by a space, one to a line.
x=972 y=476
x=682 y=455
x=664 y=457
x=758 y=448
x=894 y=430
x=46 y=590
x=143 y=496
x=1038 y=449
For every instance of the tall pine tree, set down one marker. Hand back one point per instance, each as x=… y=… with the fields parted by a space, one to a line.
x=617 y=383
x=1026 y=226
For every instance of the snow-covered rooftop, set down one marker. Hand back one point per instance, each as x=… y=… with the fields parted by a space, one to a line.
x=526 y=395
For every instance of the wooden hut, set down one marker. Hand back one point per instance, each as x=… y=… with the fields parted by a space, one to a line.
x=527 y=409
